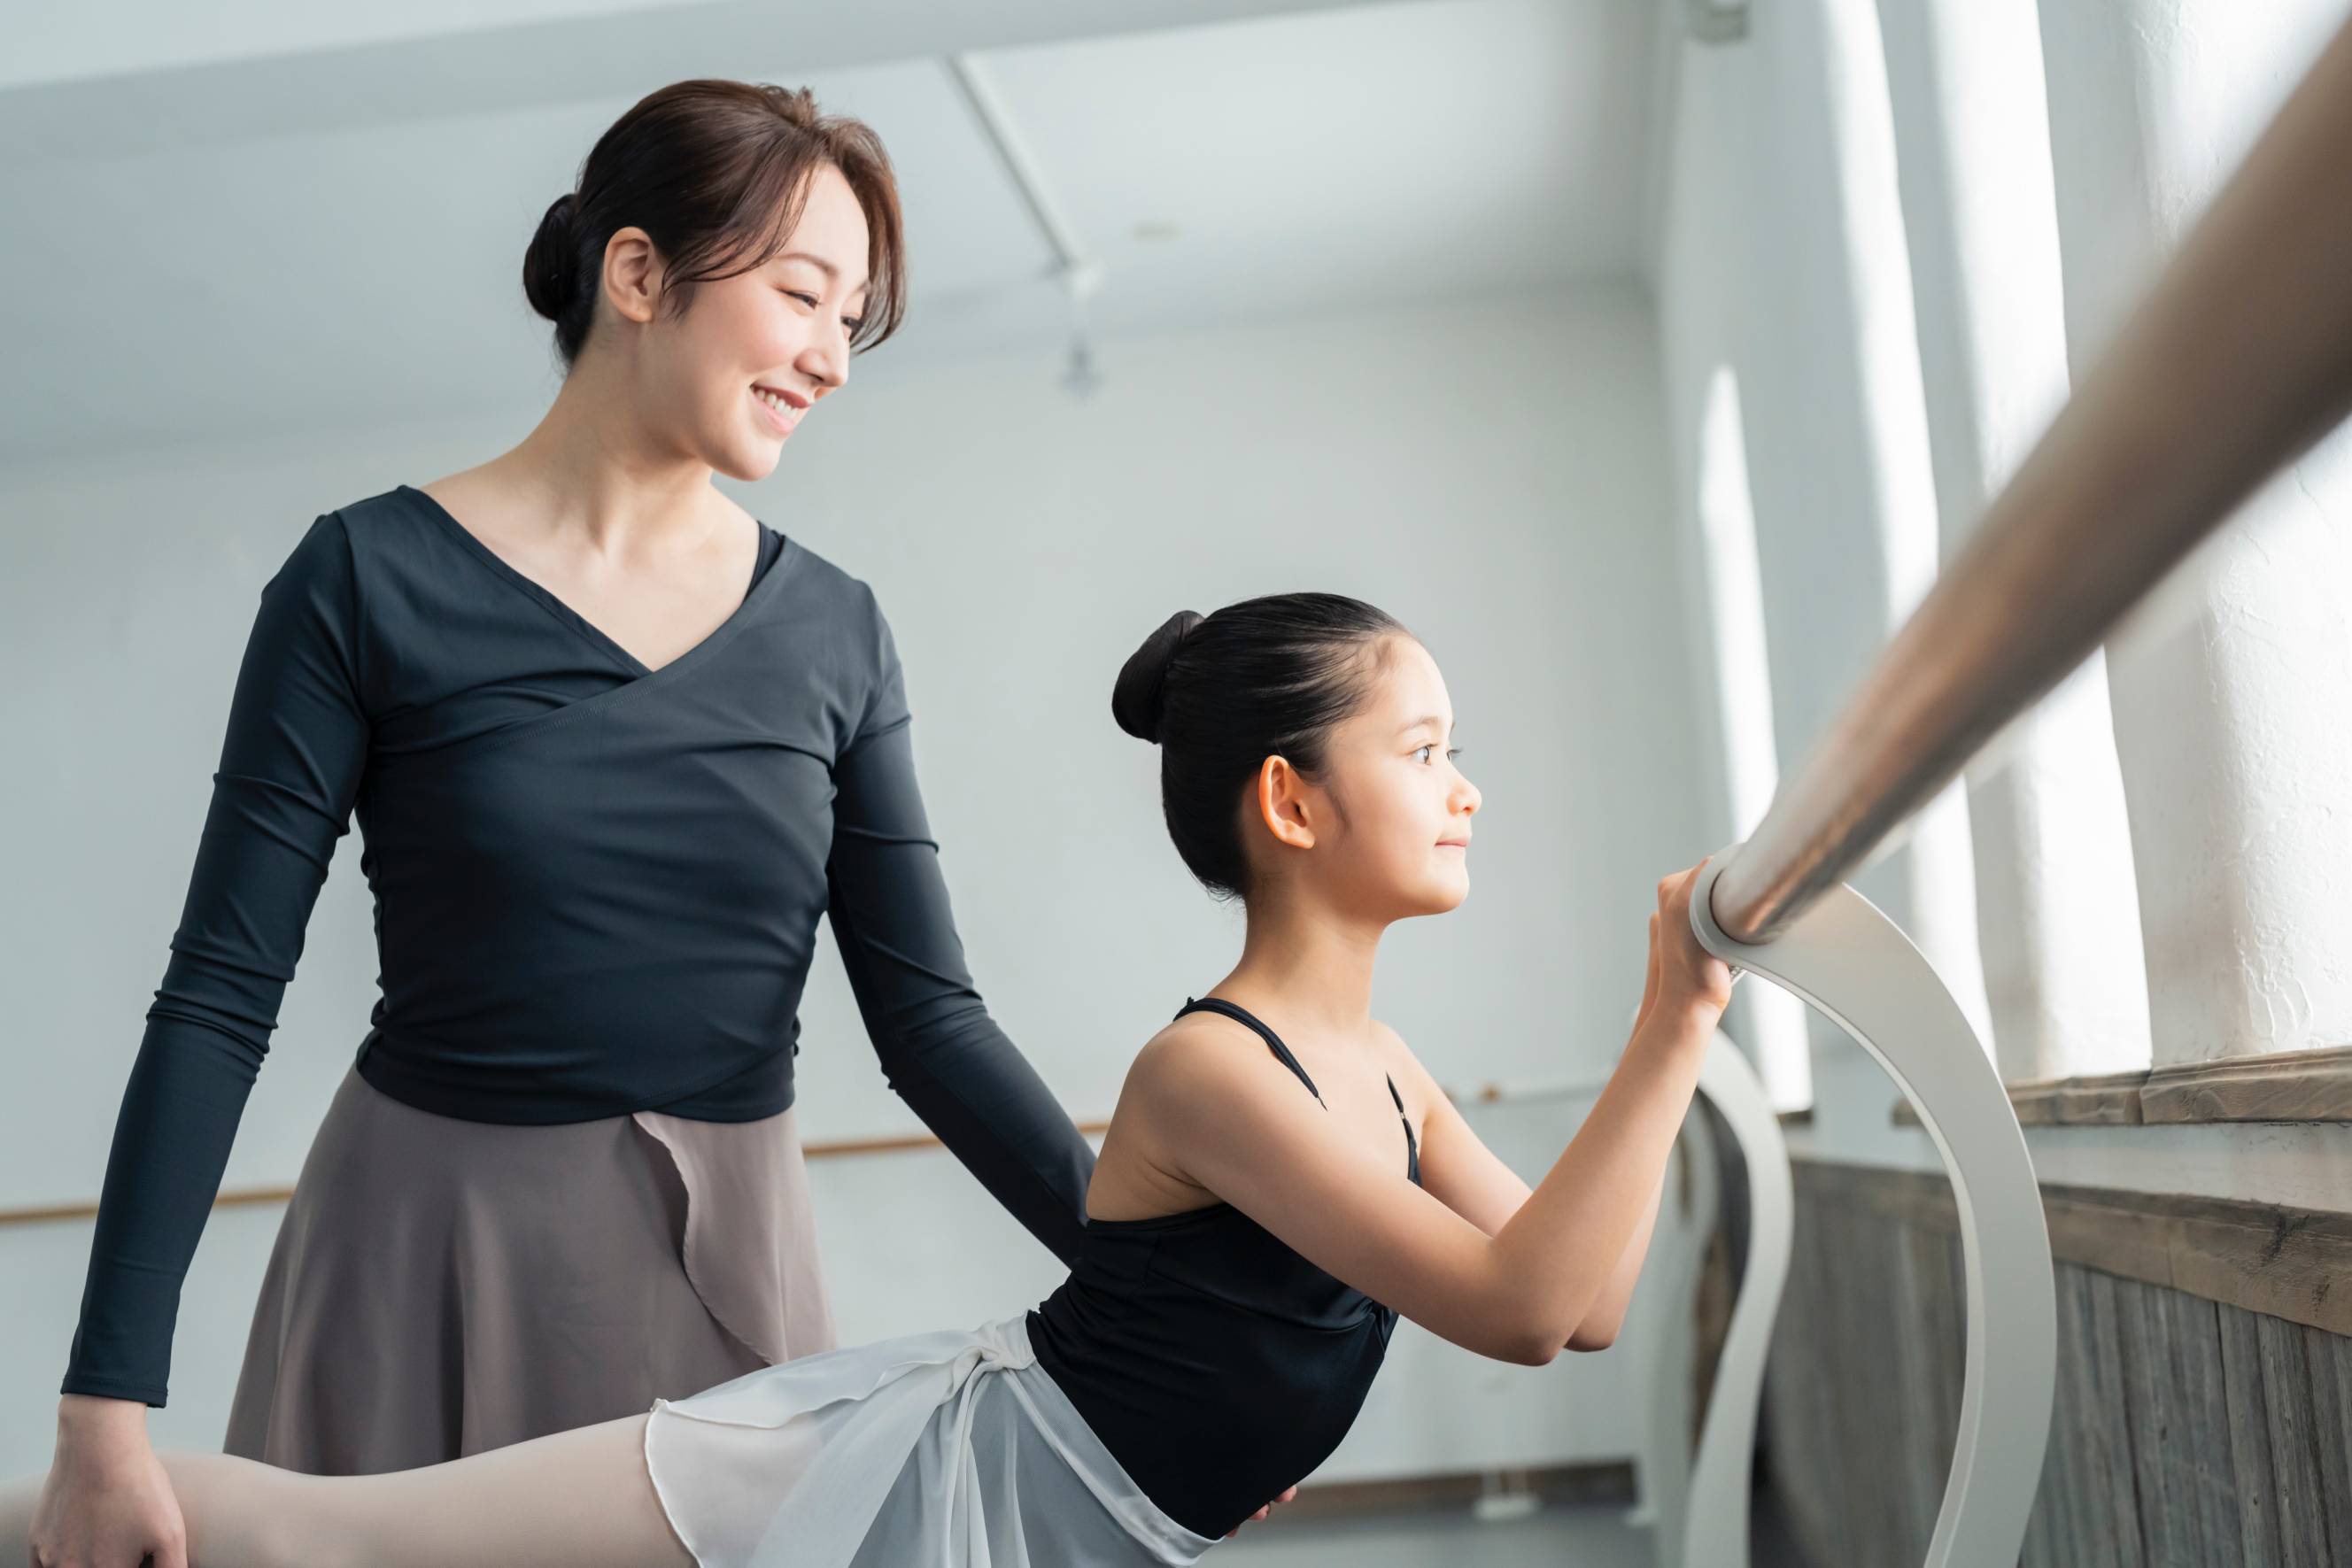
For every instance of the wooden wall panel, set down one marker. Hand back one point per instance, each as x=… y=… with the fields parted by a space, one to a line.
x=2187 y=1432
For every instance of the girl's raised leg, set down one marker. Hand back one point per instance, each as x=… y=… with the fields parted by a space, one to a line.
x=580 y=1498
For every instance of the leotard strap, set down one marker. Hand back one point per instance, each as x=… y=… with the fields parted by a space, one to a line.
x=1242 y=1015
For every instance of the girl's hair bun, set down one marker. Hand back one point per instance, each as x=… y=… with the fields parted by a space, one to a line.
x=1138 y=698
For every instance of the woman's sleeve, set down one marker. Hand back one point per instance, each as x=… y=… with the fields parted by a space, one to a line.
x=940 y=1050
x=290 y=764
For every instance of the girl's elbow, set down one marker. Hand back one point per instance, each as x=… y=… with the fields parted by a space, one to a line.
x=1520 y=1350
x=1513 y=1339
x=1533 y=1345
x=1588 y=1337
x=1542 y=1349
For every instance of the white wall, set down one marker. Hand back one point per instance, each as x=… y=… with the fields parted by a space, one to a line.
x=2066 y=984
x=1776 y=227
x=1494 y=473
x=1774 y=144
x=2236 y=799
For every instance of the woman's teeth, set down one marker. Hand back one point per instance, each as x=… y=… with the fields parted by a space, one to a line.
x=782 y=414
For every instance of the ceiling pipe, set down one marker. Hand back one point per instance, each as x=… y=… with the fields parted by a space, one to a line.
x=1079 y=275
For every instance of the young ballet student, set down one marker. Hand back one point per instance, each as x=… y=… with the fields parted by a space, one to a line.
x=1280 y=1181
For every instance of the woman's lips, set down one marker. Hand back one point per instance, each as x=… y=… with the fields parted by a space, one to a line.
x=781 y=423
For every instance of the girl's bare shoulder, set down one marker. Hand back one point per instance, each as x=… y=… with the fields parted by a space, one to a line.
x=1412 y=1079
x=1200 y=1049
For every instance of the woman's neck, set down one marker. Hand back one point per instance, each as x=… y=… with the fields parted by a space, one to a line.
x=593 y=464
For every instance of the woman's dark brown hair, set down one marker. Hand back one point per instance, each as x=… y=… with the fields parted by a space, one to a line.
x=716 y=172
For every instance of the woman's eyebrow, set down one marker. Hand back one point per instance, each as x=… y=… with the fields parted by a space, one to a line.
x=817 y=261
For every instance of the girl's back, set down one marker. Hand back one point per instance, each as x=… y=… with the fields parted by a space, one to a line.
x=1217 y=1363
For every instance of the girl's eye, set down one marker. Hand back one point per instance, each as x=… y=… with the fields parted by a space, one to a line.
x=1432 y=746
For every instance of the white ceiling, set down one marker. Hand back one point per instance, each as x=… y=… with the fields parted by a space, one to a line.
x=317 y=216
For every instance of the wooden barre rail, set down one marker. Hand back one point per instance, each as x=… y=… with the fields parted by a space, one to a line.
x=1487 y=1093
x=233 y=1197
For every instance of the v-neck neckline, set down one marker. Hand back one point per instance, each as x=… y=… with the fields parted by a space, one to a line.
x=583 y=627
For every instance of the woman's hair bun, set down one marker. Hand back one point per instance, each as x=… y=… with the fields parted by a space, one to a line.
x=551 y=267
x=1138 y=698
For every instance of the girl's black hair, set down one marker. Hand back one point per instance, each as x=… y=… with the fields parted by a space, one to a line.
x=716 y=172
x=1223 y=693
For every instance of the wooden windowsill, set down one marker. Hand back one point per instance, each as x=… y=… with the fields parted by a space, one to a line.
x=2264 y=1257
x=2283 y=1086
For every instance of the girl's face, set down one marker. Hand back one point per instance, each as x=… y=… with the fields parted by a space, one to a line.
x=782 y=328
x=1395 y=809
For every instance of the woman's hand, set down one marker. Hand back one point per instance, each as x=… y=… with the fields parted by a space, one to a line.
x=1288 y=1493
x=1684 y=975
x=107 y=1502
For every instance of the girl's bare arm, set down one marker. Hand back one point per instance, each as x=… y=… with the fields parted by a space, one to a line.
x=1233 y=1114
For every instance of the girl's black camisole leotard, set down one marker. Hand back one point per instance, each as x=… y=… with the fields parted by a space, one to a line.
x=1216 y=1363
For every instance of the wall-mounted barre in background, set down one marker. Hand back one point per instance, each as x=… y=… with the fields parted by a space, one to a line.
x=1487 y=1093
x=2238 y=359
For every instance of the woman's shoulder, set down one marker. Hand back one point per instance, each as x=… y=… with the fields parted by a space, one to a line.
x=831 y=578
x=373 y=532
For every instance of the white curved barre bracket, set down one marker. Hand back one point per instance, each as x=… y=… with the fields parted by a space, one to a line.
x=1715 y=1525
x=1849 y=961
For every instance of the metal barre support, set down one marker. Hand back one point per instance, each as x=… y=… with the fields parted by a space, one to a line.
x=1857 y=968
x=1715 y=1524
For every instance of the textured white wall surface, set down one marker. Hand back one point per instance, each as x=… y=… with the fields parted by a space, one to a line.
x=2229 y=687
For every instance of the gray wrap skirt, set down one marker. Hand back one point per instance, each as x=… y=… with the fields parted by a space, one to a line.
x=440 y=1286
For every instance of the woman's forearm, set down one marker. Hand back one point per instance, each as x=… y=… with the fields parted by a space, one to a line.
x=942 y=1051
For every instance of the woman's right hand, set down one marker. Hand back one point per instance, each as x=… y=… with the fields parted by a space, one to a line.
x=1684 y=977
x=107 y=1502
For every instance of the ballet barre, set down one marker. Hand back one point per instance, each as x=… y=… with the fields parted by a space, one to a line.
x=2236 y=362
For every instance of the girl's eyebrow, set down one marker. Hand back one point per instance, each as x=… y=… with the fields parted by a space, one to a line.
x=1416 y=724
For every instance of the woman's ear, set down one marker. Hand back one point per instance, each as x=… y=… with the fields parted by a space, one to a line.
x=631 y=274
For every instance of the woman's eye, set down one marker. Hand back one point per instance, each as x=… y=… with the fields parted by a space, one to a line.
x=1432 y=746
x=853 y=324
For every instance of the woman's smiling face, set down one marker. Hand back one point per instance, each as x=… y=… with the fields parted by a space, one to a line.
x=753 y=354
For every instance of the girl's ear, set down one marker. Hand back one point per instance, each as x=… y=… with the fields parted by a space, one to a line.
x=1282 y=803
